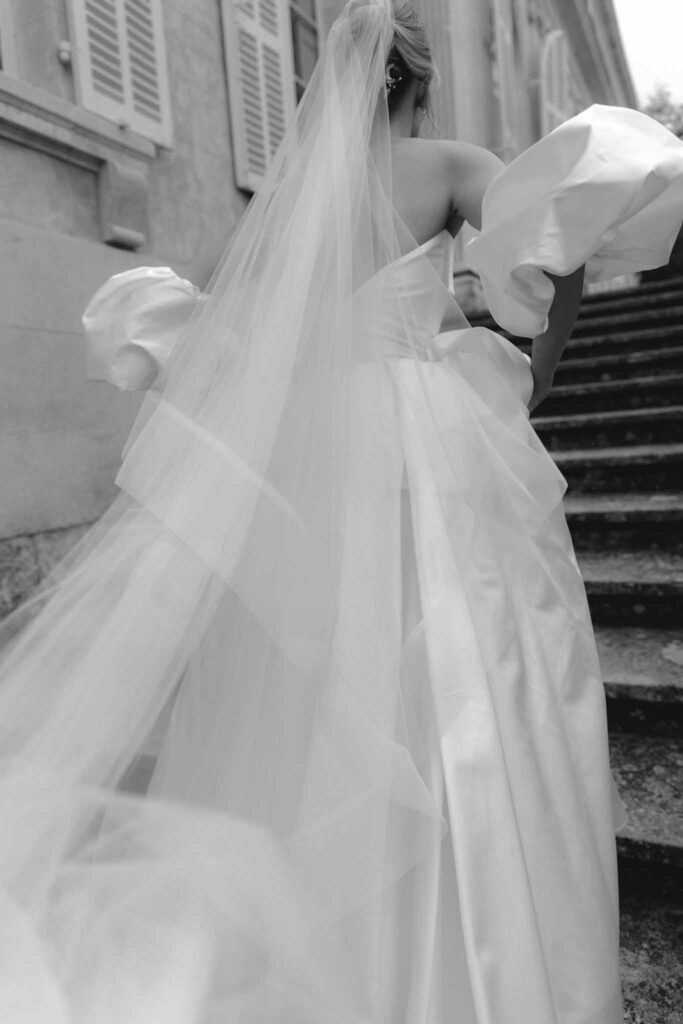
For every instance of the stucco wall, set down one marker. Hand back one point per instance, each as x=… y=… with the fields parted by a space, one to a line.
x=61 y=434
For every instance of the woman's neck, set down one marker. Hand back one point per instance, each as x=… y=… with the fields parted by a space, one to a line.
x=401 y=124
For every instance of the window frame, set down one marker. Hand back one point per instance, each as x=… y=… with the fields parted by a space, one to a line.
x=8 y=41
x=315 y=23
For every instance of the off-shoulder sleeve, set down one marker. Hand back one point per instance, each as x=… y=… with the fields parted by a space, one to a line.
x=604 y=189
x=132 y=323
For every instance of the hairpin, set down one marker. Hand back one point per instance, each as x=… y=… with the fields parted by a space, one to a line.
x=392 y=77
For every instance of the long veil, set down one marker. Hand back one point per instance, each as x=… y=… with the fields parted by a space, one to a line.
x=220 y=579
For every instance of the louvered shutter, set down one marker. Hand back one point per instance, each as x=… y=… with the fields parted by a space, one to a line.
x=505 y=78
x=557 y=102
x=120 y=64
x=258 y=49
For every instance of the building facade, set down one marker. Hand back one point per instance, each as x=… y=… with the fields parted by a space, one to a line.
x=134 y=132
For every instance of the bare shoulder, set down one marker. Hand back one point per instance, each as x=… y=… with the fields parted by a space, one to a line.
x=468 y=169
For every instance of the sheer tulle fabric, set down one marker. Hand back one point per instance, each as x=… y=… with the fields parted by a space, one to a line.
x=234 y=511
x=339 y=559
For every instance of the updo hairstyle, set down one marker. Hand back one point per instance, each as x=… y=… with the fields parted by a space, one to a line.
x=410 y=57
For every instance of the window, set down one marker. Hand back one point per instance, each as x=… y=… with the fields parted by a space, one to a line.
x=7 y=44
x=271 y=48
x=560 y=93
x=505 y=77
x=119 y=64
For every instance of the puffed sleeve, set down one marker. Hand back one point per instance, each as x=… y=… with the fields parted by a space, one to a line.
x=605 y=189
x=132 y=323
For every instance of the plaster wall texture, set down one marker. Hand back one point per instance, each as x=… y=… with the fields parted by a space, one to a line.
x=61 y=434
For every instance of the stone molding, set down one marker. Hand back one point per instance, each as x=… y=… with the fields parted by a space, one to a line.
x=35 y=118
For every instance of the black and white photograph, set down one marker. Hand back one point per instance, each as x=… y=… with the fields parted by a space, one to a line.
x=341 y=512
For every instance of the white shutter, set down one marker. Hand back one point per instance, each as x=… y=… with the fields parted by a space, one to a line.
x=120 y=64
x=557 y=93
x=258 y=49
x=8 y=55
x=505 y=77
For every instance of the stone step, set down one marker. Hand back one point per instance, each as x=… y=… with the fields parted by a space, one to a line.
x=597 y=344
x=646 y=296
x=629 y=588
x=651 y=933
x=635 y=393
x=610 y=429
x=649 y=316
x=602 y=343
x=633 y=301
x=600 y=522
x=620 y=365
x=645 y=288
x=633 y=468
x=648 y=771
x=643 y=674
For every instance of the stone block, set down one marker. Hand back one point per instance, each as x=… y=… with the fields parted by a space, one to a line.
x=19 y=572
x=122 y=204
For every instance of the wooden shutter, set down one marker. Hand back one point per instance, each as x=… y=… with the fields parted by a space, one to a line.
x=120 y=64
x=505 y=78
x=8 y=56
x=556 y=95
x=258 y=50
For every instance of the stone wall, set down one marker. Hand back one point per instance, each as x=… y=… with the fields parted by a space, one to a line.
x=61 y=434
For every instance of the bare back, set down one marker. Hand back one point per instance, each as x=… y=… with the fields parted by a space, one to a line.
x=438 y=184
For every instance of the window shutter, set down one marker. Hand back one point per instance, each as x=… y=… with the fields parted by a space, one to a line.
x=120 y=64
x=557 y=93
x=258 y=49
x=506 y=85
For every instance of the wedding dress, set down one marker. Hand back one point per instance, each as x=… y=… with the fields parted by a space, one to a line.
x=338 y=584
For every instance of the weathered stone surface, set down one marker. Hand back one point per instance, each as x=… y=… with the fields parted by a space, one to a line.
x=620 y=365
x=25 y=561
x=642 y=664
x=651 y=962
x=634 y=588
x=631 y=317
x=649 y=775
x=664 y=389
x=631 y=522
x=624 y=469
x=610 y=429
x=19 y=572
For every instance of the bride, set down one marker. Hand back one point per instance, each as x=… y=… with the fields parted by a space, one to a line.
x=338 y=598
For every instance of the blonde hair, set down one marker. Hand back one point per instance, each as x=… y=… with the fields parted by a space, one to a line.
x=410 y=55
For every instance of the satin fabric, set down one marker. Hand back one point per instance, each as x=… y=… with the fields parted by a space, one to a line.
x=485 y=616
x=604 y=189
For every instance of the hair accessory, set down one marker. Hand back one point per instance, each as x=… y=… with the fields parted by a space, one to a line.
x=393 y=77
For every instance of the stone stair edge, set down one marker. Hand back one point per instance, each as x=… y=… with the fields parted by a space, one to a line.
x=632 y=358
x=631 y=454
x=592 y=387
x=648 y=771
x=605 y=415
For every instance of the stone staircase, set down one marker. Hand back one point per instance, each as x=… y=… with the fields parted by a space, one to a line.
x=614 y=425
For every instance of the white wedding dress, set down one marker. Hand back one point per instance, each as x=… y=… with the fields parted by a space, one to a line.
x=423 y=834
x=483 y=613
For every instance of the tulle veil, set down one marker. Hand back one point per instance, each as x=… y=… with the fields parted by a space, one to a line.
x=219 y=576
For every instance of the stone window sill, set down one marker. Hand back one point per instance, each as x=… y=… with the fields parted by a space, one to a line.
x=38 y=119
x=35 y=118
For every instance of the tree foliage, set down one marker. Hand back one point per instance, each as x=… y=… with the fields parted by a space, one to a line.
x=661 y=105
